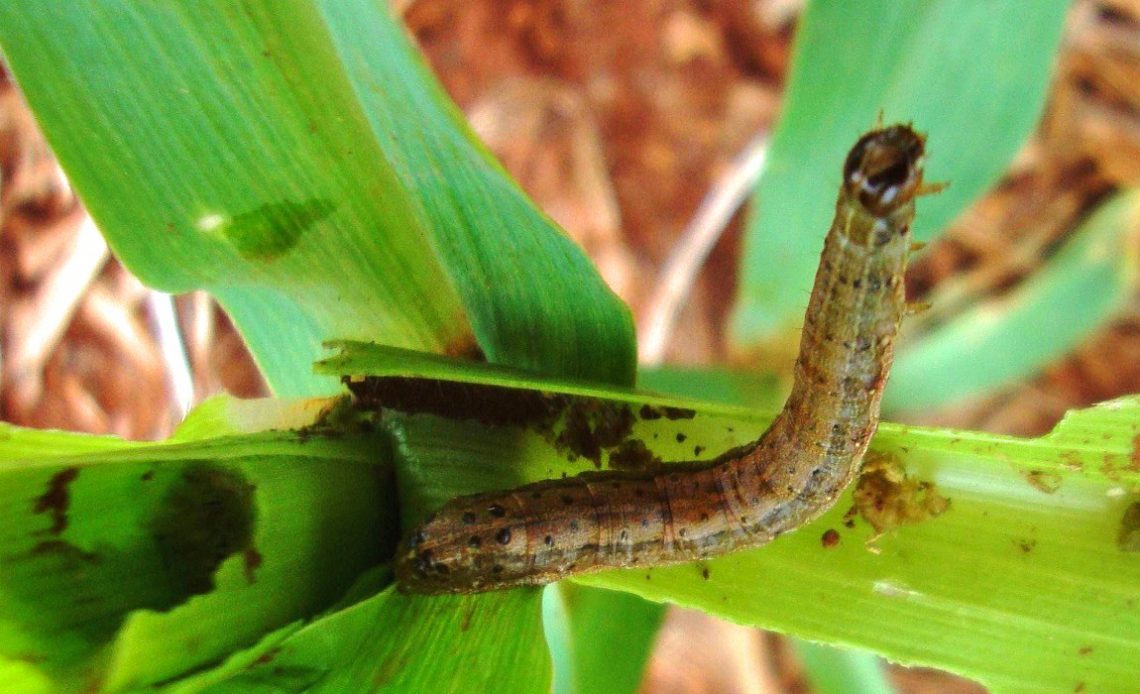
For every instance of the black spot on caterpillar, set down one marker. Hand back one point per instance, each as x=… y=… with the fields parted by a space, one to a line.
x=746 y=497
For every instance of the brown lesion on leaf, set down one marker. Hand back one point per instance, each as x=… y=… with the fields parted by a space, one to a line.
x=577 y=426
x=465 y=623
x=389 y=668
x=465 y=346
x=1071 y=460
x=830 y=538
x=56 y=500
x=1043 y=481
x=592 y=426
x=651 y=413
x=613 y=421
x=336 y=419
x=488 y=405
x=1128 y=537
x=1134 y=457
x=206 y=517
x=65 y=551
x=265 y=658
x=251 y=562
x=633 y=454
x=886 y=497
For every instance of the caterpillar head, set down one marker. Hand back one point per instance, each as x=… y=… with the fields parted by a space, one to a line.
x=883 y=171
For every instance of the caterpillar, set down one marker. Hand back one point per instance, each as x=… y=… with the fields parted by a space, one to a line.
x=680 y=512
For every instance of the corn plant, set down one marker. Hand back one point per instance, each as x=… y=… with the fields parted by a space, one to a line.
x=298 y=161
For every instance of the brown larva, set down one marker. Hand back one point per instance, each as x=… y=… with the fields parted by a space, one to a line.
x=546 y=531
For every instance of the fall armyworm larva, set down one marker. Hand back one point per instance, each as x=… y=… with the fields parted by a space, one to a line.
x=548 y=530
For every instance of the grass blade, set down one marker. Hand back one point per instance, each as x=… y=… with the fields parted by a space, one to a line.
x=1089 y=279
x=948 y=67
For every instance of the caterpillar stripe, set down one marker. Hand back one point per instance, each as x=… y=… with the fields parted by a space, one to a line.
x=548 y=530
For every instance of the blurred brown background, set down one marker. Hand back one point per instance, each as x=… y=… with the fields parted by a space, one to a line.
x=617 y=118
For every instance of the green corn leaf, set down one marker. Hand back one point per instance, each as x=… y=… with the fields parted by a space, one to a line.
x=1091 y=278
x=393 y=642
x=1025 y=582
x=949 y=67
x=842 y=671
x=299 y=162
x=125 y=564
x=602 y=638
x=763 y=392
